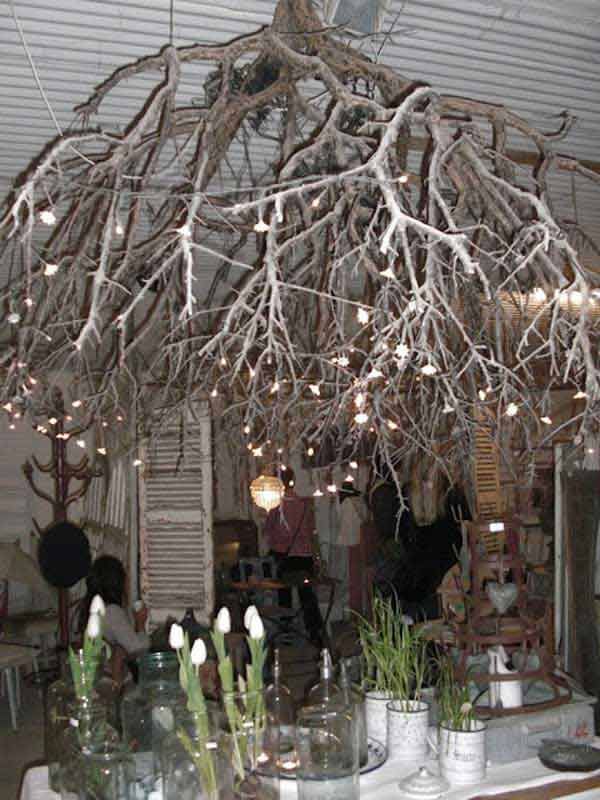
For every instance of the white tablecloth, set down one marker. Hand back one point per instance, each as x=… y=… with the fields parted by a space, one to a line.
x=382 y=784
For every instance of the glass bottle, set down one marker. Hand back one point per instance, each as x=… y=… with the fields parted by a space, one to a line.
x=148 y=712
x=60 y=695
x=355 y=699
x=88 y=731
x=326 y=692
x=280 y=706
x=327 y=749
x=195 y=760
x=106 y=772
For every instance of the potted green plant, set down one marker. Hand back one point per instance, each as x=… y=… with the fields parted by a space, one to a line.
x=461 y=744
x=395 y=666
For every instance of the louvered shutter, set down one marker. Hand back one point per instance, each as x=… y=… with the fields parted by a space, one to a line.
x=175 y=496
x=488 y=494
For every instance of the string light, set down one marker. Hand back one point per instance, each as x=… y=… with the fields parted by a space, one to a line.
x=315 y=389
x=332 y=488
x=429 y=369
x=359 y=400
x=447 y=409
x=102 y=451
x=361 y=418
x=119 y=418
x=393 y=426
x=375 y=373
x=13 y=318
x=76 y=403
x=274 y=388
x=119 y=230
x=512 y=409
x=362 y=315
x=12 y=426
x=32 y=380
x=7 y=407
x=52 y=420
x=214 y=393
x=343 y=361
x=250 y=446
x=280 y=451
x=185 y=231
x=261 y=226
x=353 y=465
x=246 y=429
x=317 y=492
x=388 y=273
x=137 y=462
x=80 y=443
x=482 y=395
x=223 y=361
x=310 y=451
x=403 y=179
x=257 y=452
x=104 y=424
x=28 y=302
x=48 y=217
x=579 y=395
x=591 y=450
x=546 y=420
x=50 y=270
x=349 y=478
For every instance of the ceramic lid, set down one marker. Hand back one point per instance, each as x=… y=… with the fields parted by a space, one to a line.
x=424 y=785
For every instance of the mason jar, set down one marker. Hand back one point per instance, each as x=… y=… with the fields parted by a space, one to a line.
x=149 y=710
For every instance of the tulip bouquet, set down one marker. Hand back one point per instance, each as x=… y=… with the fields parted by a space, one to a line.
x=246 y=712
x=85 y=665
x=202 y=752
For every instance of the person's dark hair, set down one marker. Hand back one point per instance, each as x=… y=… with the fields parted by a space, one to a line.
x=106 y=578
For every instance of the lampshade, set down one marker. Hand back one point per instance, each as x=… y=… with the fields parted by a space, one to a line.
x=267 y=491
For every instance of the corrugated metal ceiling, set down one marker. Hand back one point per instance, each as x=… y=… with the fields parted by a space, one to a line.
x=538 y=58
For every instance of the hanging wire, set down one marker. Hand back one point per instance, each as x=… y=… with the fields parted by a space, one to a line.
x=171 y=20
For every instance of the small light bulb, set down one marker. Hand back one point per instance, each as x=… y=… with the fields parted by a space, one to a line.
x=274 y=388
x=48 y=217
x=481 y=394
x=393 y=426
x=310 y=451
x=223 y=361
x=512 y=409
x=104 y=424
x=317 y=493
x=315 y=389
x=546 y=420
x=447 y=409
x=388 y=273
x=68 y=418
x=316 y=202
x=28 y=302
x=119 y=230
x=353 y=465
x=76 y=403
x=13 y=318
x=7 y=407
x=119 y=418
x=32 y=380
x=429 y=369
x=137 y=462
x=185 y=232
x=579 y=395
x=362 y=315
x=359 y=400
x=246 y=429
x=257 y=452
x=102 y=451
x=402 y=351
x=52 y=420
x=332 y=488
x=403 y=179
x=80 y=443
x=214 y=393
x=261 y=226
x=361 y=418
x=374 y=374
x=343 y=361
x=12 y=426
x=50 y=270
x=279 y=451
x=349 y=478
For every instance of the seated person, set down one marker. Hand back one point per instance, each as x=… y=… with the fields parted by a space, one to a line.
x=107 y=579
x=289 y=530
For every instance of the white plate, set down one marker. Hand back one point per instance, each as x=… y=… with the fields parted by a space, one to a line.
x=377 y=756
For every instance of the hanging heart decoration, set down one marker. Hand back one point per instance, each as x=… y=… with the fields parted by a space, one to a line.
x=502 y=595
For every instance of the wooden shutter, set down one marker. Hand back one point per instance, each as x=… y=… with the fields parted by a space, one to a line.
x=488 y=494
x=175 y=496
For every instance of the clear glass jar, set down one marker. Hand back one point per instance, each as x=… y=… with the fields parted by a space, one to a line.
x=149 y=710
x=60 y=696
x=327 y=750
x=355 y=699
x=104 y=773
x=253 y=737
x=196 y=761
x=88 y=731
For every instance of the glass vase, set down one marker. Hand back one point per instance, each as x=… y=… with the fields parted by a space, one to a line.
x=195 y=761
x=327 y=749
x=88 y=732
x=106 y=772
x=253 y=741
x=59 y=697
x=148 y=713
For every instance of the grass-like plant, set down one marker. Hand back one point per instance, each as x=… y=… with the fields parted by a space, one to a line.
x=394 y=653
x=454 y=702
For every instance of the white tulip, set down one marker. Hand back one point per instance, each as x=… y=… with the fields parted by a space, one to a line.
x=248 y=614
x=257 y=629
x=176 y=636
x=198 y=654
x=223 y=623
x=94 y=626
x=97 y=606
